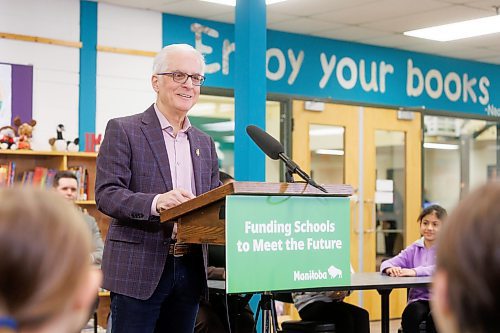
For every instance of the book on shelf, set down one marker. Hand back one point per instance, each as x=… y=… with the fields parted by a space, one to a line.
x=82 y=175
x=7 y=174
x=39 y=177
x=4 y=175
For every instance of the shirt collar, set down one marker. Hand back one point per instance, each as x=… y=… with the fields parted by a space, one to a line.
x=165 y=124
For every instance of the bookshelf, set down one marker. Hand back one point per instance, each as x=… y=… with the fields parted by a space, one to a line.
x=26 y=161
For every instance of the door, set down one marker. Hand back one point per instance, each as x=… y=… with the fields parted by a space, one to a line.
x=380 y=156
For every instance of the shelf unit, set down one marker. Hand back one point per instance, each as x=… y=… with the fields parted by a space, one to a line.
x=27 y=160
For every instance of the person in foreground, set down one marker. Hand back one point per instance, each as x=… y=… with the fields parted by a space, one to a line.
x=66 y=184
x=466 y=289
x=47 y=283
x=148 y=162
x=418 y=259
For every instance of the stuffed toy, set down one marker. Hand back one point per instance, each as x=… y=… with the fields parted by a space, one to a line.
x=8 y=138
x=59 y=144
x=24 y=132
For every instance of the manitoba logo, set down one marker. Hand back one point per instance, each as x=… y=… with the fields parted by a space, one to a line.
x=317 y=274
x=334 y=272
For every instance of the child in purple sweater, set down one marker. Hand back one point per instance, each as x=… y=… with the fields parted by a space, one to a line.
x=418 y=259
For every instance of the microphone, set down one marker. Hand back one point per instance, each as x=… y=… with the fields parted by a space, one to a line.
x=269 y=145
x=274 y=149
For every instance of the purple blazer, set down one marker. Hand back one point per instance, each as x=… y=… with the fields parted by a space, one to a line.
x=132 y=168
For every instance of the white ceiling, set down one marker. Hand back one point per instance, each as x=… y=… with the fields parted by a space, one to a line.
x=376 y=22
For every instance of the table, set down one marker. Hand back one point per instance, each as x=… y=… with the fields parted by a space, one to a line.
x=384 y=284
x=370 y=280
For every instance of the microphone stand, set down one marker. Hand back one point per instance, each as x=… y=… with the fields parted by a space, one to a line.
x=289 y=176
x=293 y=168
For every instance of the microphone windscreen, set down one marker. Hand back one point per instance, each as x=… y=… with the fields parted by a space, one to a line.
x=269 y=145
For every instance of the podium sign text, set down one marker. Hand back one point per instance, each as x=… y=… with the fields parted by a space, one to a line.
x=286 y=242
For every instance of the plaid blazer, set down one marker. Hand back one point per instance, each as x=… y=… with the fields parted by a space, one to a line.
x=132 y=168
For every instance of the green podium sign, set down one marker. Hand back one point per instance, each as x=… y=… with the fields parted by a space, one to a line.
x=286 y=242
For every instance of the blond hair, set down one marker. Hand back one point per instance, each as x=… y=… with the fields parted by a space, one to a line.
x=45 y=246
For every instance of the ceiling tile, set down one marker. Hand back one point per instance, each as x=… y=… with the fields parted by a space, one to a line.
x=491 y=60
x=380 y=10
x=440 y=16
x=485 y=4
x=391 y=40
x=193 y=8
x=469 y=53
x=459 y=2
x=225 y=17
x=275 y=17
x=311 y=7
x=303 y=25
x=352 y=33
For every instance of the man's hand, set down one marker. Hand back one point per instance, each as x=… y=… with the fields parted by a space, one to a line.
x=172 y=198
x=398 y=271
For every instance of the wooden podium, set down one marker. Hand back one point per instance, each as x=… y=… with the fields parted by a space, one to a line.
x=202 y=219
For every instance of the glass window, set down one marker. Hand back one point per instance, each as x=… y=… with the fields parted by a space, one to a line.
x=215 y=116
x=390 y=189
x=326 y=144
x=459 y=155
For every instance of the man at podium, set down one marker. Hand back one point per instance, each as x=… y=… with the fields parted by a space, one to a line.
x=152 y=161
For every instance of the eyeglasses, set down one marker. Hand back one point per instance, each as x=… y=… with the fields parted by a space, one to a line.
x=181 y=77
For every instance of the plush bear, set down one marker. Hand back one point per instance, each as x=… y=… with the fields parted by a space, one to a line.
x=24 y=132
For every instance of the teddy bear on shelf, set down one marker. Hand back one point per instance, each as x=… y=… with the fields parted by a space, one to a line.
x=59 y=144
x=24 y=132
x=8 y=138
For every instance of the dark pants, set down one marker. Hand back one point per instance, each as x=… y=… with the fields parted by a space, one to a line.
x=348 y=318
x=414 y=314
x=171 y=308
x=213 y=316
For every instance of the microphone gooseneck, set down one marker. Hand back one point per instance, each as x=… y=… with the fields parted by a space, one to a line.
x=274 y=149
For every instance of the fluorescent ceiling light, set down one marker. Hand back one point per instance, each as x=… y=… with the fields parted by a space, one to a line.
x=337 y=152
x=233 y=2
x=444 y=146
x=459 y=30
x=325 y=131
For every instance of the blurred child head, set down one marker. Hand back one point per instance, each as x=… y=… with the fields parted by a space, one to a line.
x=466 y=288
x=47 y=283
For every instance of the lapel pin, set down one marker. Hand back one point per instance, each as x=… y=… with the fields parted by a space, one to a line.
x=197 y=152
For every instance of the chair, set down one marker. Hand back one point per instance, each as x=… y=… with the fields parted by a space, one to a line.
x=302 y=326
x=422 y=328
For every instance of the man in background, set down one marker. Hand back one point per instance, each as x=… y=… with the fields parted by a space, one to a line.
x=66 y=184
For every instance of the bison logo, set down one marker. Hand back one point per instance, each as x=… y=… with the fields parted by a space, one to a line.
x=334 y=272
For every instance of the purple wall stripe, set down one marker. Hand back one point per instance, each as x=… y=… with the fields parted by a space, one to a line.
x=22 y=92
